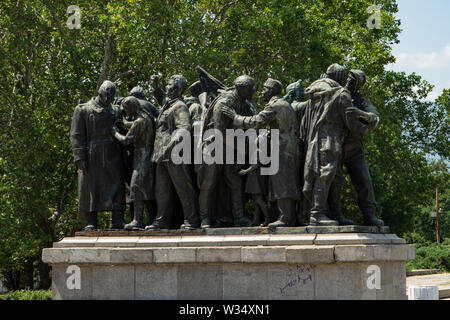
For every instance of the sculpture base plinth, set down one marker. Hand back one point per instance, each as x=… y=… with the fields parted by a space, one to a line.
x=259 y=266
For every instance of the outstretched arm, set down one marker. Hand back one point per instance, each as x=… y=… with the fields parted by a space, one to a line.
x=260 y=120
x=131 y=135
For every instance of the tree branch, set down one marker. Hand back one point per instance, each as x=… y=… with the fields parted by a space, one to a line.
x=107 y=61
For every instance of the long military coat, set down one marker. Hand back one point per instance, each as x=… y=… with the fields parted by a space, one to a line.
x=278 y=114
x=323 y=129
x=101 y=187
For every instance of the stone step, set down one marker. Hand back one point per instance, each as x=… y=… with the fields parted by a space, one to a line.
x=444 y=292
x=189 y=240
x=236 y=231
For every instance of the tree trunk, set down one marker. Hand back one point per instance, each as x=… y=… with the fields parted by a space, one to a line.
x=44 y=279
x=26 y=278
x=107 y=61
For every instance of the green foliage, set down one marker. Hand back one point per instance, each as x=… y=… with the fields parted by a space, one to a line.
x=436 y=256
x=423 y=225
x=46 y=67
x=29 y=295
x=416 y=238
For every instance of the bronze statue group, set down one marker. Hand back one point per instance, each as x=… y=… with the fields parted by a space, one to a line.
x=122 y=149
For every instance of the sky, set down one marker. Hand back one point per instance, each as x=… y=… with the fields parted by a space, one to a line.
x=424 y=46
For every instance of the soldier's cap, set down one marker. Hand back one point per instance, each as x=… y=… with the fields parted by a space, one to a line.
x=107 y=86
x=138 y=92
x=244 y=81
x=196 y=89
x=337 y=73
x=359 y=76
x=297 y=85
x=276 y=85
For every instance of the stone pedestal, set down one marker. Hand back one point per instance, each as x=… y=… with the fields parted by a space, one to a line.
x=231 y=264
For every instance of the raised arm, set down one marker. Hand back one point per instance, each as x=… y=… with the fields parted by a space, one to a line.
x=157 y=91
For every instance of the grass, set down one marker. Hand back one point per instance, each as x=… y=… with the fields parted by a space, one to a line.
x=27 y=295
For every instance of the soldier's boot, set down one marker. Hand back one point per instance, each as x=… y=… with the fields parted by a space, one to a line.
x=278 y=223
x=287 y=214
x=320 y=219
x=205 y=220
x=345 y=222
x=116 y=220
x=91 y=221
x=239 y=220
x=206 y=223
x=341 y=220
x=138 y=220
x=370 y=218
x=189 y=226
x=284 y=221
x=157 y=225
x=301 y=221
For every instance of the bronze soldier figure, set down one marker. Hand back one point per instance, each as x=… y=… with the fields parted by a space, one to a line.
x=139 y=93
x=173 y=118
x=141 y=134
x=98 y=158
x=284 y=186
x=210 y=174
x=294 y=95
x=353 y=156
x=323 y=130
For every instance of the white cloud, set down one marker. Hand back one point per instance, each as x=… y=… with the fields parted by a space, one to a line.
x=412 y=61
x=437 y=91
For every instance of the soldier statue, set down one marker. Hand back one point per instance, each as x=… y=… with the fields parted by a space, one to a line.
x=209 y=175
x=323 y=130
x=173 y=121
x=354 y=158
x=284 y=186
x=294 y=95
x=97 y=156
x=141 y=134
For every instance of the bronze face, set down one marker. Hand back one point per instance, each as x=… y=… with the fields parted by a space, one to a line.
x=173 y=89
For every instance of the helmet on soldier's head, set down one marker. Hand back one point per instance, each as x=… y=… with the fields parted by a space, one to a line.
x=245 y=86
x=359 y=77
x=244 y=81
x=107 y=87
x=295 y=91
x=336 y=72
x=276 y=86
x=138 y=92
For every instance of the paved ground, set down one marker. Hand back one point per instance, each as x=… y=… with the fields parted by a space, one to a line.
x=442 y=280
